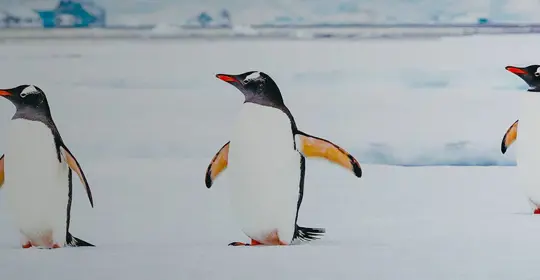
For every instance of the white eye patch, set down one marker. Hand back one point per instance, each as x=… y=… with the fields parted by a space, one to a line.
x=537 y=73
x=252 y=76
x=29 y=90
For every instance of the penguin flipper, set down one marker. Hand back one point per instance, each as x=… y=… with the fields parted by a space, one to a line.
x=75 y=166
x=509 y=137
x=1 y=171
x=311 y=146
x=217 y=165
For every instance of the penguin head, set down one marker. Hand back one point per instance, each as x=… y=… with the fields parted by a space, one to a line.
x=25 y=96
x=256 y=86
x=530 y=74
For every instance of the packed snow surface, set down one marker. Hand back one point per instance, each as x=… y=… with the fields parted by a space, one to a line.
x=144 y=119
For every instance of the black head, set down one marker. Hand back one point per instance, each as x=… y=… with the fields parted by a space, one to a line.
x=530 y=74
x=256 y=86
x=26 y=97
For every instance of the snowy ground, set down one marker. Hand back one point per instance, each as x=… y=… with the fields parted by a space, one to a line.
x=144 y=118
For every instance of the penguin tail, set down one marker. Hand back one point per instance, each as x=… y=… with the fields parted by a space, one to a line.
x=305 y=234
x=73 y=241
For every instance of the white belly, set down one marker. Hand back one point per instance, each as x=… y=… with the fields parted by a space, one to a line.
x=528 y=148
x=264 y=173
x=36 y=184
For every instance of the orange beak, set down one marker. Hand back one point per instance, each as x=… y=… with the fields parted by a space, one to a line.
x=516 y=70
x=226 y=78
x=4 y=93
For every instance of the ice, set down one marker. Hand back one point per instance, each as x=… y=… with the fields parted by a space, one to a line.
x=165 y=29
x=443 y=111
x=244 y=30
x=245 y=12
x=145 y=117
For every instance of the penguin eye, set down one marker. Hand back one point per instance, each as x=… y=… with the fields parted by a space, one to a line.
x=537 y=73
x=25 y=94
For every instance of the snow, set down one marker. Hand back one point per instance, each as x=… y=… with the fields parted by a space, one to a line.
x=244 y=30
x=165 y=29
x=145 y=117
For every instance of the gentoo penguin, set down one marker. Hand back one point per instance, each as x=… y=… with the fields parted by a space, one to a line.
x=266 y=162
x=531 y=76
x=36 y=171
x=528 y=152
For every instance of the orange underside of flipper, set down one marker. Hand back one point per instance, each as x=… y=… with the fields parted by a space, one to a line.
x=311 y=146
x=2 y=171
x=509 y=137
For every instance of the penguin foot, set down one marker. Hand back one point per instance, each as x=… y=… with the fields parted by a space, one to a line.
x=238 y=244
x=27 y=245
x=50 y=247
x=537 y=211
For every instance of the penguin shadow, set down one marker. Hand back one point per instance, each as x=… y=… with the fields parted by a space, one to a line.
x=11 y=247
x=323 y=242
x=523 y=214
x=326 y=242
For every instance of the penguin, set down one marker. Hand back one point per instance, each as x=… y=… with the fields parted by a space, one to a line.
x=528 y=74
x=266 y=162
x=36 y=173
x=528 y=153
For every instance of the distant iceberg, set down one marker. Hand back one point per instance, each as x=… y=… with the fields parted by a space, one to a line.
x=205 y=19
x=19 y=17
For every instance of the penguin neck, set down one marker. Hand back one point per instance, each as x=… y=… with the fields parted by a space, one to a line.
x=269 y=96
x=262 y=101
x=265 y=101
x=529 y=113
x=39 y=114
